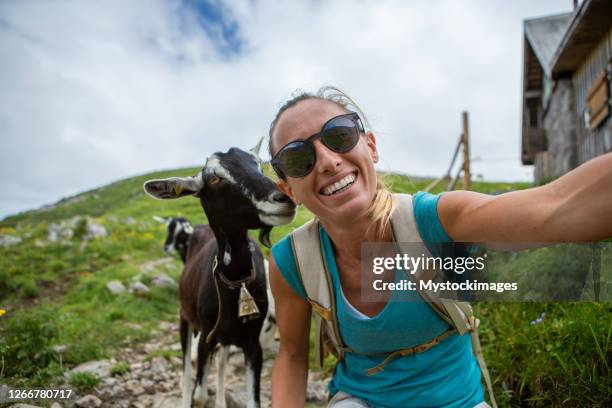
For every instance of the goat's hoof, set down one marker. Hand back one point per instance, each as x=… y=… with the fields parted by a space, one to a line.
x=220 y=402
x=200 y=396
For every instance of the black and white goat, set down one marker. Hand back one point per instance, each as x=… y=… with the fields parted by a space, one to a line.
x=223 y=263
x=178 y=233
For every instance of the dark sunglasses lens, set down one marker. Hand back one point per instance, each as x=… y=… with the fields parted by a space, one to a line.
x=341 y=134
x=296 y=159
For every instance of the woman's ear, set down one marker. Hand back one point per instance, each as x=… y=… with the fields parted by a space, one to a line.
x=371 y=142
x=286 y=188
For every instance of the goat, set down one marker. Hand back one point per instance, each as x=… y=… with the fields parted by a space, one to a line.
x=222 y=261
x=179 y=232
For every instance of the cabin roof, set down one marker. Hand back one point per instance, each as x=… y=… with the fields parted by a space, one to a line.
x=589 y=23
x=544 y=35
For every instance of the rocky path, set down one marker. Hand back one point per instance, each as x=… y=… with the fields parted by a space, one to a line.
x=154 y=382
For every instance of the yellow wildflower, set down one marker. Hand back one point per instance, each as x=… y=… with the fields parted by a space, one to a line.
x=2 y=312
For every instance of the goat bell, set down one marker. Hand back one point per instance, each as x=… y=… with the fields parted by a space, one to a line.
x=247 y=309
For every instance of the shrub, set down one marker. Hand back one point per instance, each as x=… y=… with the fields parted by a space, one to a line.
x=25 y=343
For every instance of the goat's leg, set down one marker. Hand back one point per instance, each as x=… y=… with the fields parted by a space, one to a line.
x=205 y=354
x=254 y=360
x=194 y=352
x=221 y=363
x=186 y=333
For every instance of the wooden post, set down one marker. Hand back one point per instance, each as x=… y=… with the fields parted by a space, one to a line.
x=466 y=152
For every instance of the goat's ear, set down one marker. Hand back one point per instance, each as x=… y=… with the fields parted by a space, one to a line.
x=174 y=187
x=159 y=219
x=255 y=150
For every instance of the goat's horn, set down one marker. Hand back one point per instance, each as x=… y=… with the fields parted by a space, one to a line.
x=255 y=150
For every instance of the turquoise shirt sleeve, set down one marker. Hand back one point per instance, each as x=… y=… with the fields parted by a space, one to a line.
x=425 y=207
x=283 y=256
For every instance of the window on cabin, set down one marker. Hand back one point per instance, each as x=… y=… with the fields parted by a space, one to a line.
x=597 y=103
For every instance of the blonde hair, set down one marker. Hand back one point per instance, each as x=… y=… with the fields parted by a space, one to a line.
x=380 y=210
x=383 y=202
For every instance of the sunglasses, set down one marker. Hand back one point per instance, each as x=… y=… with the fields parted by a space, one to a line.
x=297 y=159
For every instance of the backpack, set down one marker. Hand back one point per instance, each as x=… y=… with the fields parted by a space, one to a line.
x=316 y=279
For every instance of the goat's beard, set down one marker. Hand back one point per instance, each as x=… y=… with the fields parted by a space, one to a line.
x=264 y=236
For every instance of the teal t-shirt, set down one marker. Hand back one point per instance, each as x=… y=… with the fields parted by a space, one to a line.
x=446 y=375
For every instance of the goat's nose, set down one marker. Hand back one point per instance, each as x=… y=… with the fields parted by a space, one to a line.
x=281 y=198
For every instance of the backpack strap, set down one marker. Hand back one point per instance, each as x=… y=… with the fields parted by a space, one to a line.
x=312 y=268
x=458 y=314
x=406 y=236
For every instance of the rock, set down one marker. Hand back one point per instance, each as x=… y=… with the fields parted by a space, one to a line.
x=56 y=405
x=231 y=402
x=159 y=365
x=100 y=368
x=115 y=287
x=59 y=232
x=9 y=240
x=93 y=230
x=168 y=326
x=64 y=230
x=316 y=391
x=153 y=265
x=138 y=288
x=89 y=401
x=166 y=401
x=110 y=381
x=22 y=405
x=163 y=280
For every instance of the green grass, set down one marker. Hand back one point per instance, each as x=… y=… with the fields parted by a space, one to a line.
x=84 y=382
x=54 y=294
x=120 y=368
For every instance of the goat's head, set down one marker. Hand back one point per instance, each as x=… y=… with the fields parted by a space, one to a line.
x=233 y=192
x=178 y=230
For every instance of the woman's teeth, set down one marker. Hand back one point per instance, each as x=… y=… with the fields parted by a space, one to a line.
x=339 y=185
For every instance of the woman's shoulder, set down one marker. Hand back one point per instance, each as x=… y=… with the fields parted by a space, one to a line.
x=425 y=210
x=283 y=255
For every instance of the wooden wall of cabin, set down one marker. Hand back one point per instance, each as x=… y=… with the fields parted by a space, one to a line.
x=596 y=141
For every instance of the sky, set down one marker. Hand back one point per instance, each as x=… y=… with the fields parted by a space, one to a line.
x=92 y=92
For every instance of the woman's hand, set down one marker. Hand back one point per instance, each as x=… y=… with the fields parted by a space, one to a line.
x=290 y=372
x=576 y=207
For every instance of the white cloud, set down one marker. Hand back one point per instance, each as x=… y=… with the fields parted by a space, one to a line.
x=96 y=91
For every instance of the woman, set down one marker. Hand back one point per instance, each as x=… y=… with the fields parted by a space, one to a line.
x=336 y=180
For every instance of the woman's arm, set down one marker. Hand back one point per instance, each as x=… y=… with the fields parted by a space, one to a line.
x=290 y=372
x=576 y=207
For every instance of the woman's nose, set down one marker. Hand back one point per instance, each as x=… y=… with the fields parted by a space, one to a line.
x=327 y=160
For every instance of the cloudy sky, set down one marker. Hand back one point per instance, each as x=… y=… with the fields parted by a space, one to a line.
x=95 y=91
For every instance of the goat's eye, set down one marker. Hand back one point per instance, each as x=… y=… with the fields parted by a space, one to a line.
x=214 y=180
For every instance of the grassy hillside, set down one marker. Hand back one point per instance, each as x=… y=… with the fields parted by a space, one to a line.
x=54 y=293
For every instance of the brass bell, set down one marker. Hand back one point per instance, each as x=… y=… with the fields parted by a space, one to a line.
x=247 y=308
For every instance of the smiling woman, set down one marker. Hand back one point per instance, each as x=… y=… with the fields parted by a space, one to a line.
x=393 y=354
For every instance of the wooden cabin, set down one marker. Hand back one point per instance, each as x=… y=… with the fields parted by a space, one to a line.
x=567 y=70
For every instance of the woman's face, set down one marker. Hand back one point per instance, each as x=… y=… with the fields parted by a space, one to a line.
x=348 y=204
